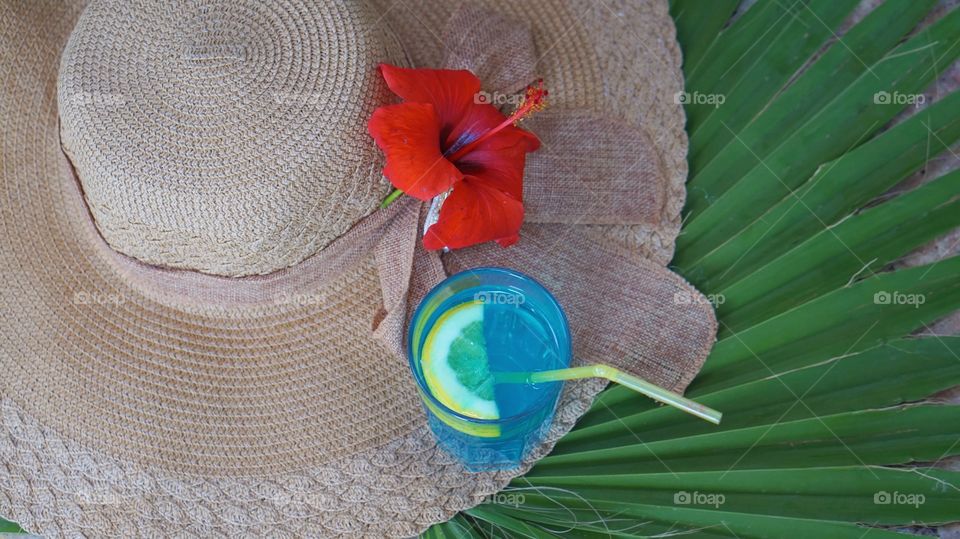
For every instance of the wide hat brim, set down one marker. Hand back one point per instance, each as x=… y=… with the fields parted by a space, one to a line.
x=140 y=402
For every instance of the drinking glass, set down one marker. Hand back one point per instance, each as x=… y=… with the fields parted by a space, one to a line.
x=523 y=330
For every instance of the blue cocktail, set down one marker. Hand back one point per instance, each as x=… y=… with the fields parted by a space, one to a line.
x=469 y=329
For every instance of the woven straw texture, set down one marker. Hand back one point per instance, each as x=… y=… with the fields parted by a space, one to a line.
x=139 y=401
x=218 y=139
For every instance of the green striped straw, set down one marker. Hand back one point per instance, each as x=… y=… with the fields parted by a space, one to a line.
x=613 y=374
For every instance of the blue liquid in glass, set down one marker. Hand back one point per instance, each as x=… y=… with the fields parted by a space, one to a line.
x=518 y=339
x=524 y=331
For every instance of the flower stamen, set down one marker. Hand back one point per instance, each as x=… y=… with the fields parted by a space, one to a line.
x=534 y=100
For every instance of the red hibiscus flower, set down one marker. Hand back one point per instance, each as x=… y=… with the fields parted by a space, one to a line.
x=441 y=140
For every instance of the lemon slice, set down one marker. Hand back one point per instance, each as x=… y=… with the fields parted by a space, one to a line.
x=455 y=364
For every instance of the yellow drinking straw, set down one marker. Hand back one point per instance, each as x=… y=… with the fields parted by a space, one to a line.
x=613 y=374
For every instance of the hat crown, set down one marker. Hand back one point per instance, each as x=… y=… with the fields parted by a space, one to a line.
x=227 y=137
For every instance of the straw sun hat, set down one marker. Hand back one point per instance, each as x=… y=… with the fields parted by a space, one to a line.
x=202 y=307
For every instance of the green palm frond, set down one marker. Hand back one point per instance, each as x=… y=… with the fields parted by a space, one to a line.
x=829 y=429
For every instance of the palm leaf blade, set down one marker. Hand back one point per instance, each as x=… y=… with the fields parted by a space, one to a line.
x=712 y=171
x=841 y=494
x=835 y=256
x=841 y=322
x=870 y=437
x=888 y=375
x=834 y=191
x=697 y=28
x=905 y=71
x=795 y=31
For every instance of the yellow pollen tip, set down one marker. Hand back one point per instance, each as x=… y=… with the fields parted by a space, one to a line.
x=534 y=100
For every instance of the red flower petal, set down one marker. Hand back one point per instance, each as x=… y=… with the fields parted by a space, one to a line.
x=409 y=135
x=475 y=213
x=500 y=159
x=451 y=92
x=475 y=120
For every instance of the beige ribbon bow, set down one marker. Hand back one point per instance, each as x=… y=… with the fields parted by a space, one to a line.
x=624 y=311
